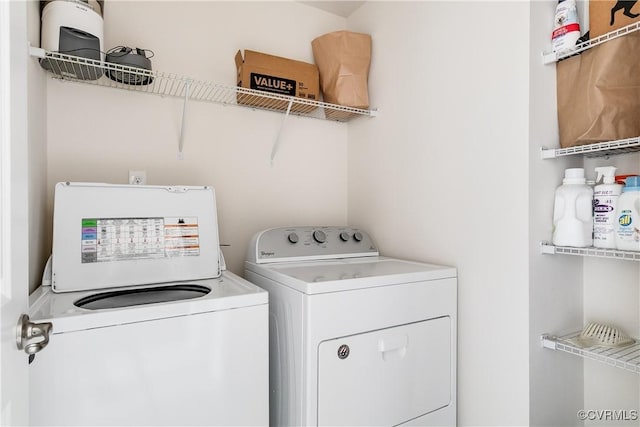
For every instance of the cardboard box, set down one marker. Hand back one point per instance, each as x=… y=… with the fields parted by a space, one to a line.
x=609 y=15
x=276 y=75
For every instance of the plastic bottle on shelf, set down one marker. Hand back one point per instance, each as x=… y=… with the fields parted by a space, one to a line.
x=573 y=211
x=628 y=214
x=622 y=179
x=566 y=27
x=605 y=201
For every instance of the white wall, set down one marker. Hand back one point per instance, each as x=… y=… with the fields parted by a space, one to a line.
x=442 y=175
x=96 y=134
x=37 y=135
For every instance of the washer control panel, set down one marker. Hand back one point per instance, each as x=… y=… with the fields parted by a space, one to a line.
x=310 y=243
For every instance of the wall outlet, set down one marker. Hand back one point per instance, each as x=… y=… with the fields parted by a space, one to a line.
x=137 y=177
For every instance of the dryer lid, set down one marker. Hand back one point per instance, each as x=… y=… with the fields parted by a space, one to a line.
x=317 y=277
x=107 y=236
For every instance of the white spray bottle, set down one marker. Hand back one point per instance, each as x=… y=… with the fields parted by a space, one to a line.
x=605 y=202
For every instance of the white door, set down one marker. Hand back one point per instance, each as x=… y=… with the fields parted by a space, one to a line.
x=13 y=210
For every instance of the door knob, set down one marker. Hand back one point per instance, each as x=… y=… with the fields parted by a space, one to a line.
x=32 y=337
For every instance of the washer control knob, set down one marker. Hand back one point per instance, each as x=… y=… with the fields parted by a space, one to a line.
x=344 y=236
x=357 y=236
x=319 y=236
x=292 y=237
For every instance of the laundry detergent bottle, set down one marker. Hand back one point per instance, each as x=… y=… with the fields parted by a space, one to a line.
x=573 y=211
x=628 y=213
x=605 y=202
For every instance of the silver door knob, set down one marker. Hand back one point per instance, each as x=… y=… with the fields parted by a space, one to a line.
x=32 y=337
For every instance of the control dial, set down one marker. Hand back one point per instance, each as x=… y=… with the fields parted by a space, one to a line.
x=357 y=236
x=319 y=236
x=344 y=236
x=292 y=237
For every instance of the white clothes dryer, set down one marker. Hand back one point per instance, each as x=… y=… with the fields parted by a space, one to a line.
x=356 y=339
x=147 y=327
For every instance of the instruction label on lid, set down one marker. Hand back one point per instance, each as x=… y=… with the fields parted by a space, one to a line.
x=118 y=239
x=181 y=237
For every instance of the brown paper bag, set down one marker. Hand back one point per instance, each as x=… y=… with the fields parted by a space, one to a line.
x=343 y=59
x=599 y=93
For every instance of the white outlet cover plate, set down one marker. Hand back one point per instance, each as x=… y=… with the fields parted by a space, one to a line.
x=137 y=177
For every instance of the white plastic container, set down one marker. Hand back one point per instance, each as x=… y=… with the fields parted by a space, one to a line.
x=628 y=213
x=77 y=16
x=572 y=211
x=566 y=27
x=605 y=202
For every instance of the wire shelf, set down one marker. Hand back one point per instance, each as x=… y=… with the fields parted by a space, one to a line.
x=627 y=357
x=551 y=57
x=548 y=248
x=601 y=149
x=96 y=72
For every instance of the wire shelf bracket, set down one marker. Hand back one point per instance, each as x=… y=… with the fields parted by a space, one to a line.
x=184 y=117
x=95 y=72
x=276 y=143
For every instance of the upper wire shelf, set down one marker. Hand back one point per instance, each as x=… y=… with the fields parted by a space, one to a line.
x=551 y=57
x=100 y=73
x=600 y=149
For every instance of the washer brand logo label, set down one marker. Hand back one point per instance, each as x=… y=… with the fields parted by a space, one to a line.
x=343 y=351
x=263 y=253
x=273 y=84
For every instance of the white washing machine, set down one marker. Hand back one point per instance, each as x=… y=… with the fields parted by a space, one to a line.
x=356 y=339
x=147 y=328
